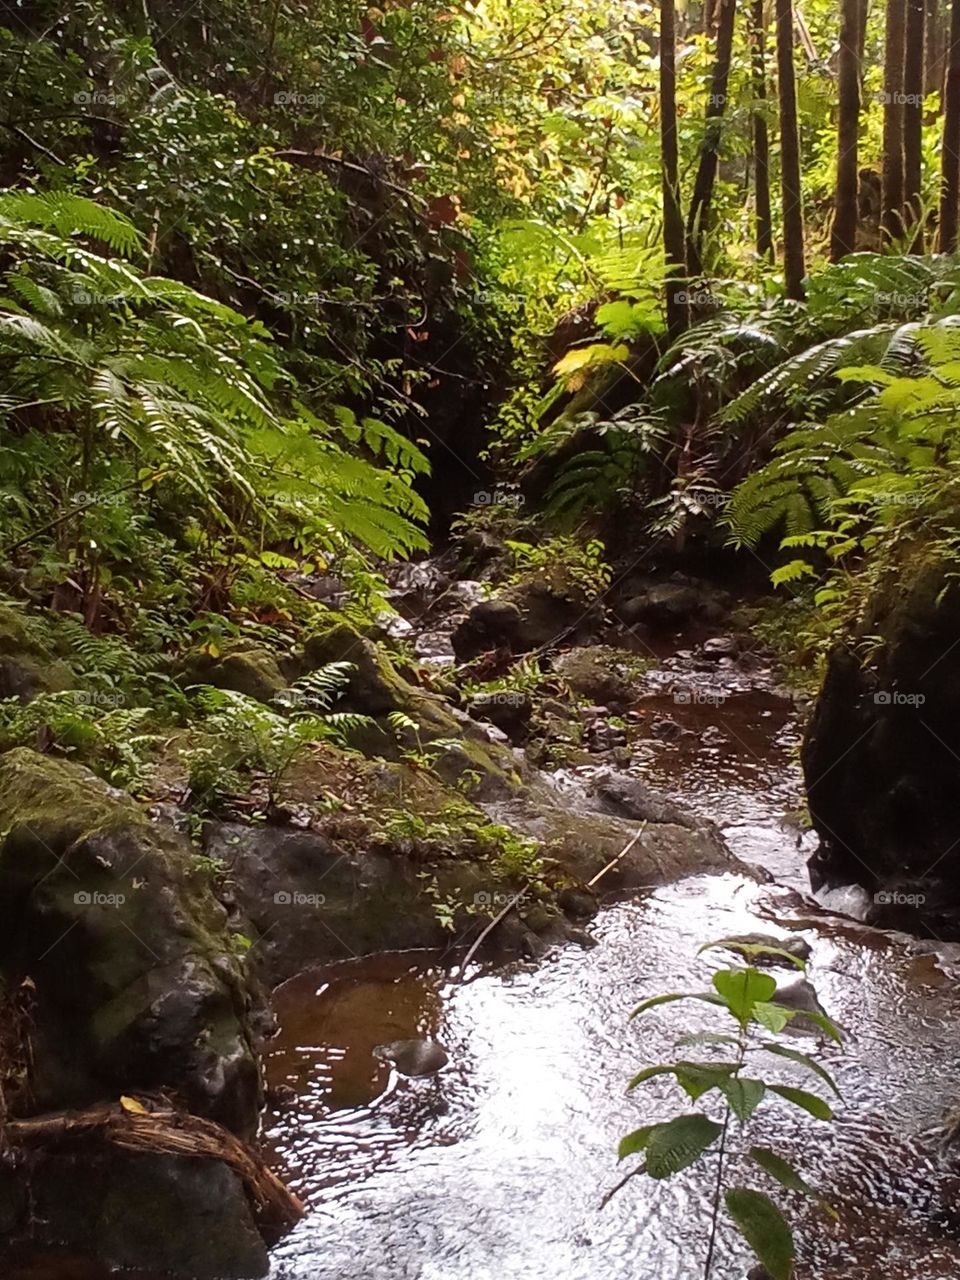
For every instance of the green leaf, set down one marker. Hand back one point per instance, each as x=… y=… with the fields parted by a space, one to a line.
x=703 y=1037
x=671 y=996
x=804 y=1060
x=781 y=1170
x=740 y=989
x=743 y=1095
x=764 y=1228
x=680 y=1143
x=632 y=1143
x=698 y=1078
x=826 y=1024
x=772 y=1016
x=806 y=1101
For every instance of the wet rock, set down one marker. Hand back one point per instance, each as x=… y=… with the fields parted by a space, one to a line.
x=668 y=730
x=137 y=983
x=629 y=797
x=600 y=735
x=797 y=947
x=674 y=604
x=597 y=672
x=579 y=903
x=509 y=711
x=186 y=1218
x=585 y=841
x=242 y=668
x=531 y=615
x=718 y=647
x=491 y=624
x=414 y=1057
x=880 y=755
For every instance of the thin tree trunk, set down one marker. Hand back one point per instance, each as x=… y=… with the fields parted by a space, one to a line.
x=843 y=236
x=891 y=178
x=793 y=265
x=710 y=150
x=673 y=238
x=934 y=51
x=761 y=140
x=950 y=172
x=913 y=121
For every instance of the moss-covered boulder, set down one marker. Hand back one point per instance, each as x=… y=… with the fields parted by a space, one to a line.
x=378 y=690
x=137 y=983
x=28 y=666
x=242 y=668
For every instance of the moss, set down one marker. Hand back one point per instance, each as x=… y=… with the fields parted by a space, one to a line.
x=246 y=669
x=27 y=665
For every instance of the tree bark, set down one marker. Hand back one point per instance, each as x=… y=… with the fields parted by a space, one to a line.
x=793 y=265
x=950 y=171
x=891 y=177
x=913 y=121
x=761 y=139
x=935 y=48
x=710 y=150
x=843 y=235
x=673 y=237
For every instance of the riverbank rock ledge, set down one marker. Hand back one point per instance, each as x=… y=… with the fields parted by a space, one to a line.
x=882 y=758
x=110 y=929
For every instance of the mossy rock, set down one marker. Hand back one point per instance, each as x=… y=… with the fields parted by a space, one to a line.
x=377 y=689
x=242 y=668
x=137 y=983
x=28 y=666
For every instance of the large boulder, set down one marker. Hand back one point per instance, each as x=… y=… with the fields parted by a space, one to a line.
x=673 y=604
x=881 y=756
x=406 y=718
x=241 y=667
x=535 y=614
x=137 y=985
x=181 y=1216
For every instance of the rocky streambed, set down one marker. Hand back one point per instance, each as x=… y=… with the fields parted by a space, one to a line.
x=660 y=729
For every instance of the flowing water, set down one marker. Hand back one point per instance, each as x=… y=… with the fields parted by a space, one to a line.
x=495 y=1168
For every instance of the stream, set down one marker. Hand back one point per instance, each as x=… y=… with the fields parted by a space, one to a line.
x=496 y=1167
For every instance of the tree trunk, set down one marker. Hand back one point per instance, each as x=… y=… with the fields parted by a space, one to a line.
x=913 y=121
x=950 y=172
x=673 y=238
x=761 y=140
x=710 y=150
x=793 y=267
x=935 y=48
x=844 y=233
x=891 y=192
